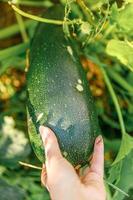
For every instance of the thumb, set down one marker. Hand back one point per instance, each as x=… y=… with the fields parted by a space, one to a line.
x=52 y=150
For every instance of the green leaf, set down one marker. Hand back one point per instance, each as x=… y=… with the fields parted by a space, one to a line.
x=10 y=192
x=115 y=173
x=125 y=148
x=125 y=18
x=122 y=51
x=114 y=178
x=121 y=175
x=126 y=179
x=113 y=13
x=129 y=1
x=14 y=146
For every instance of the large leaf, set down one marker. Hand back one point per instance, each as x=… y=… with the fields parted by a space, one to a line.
x=115 y=173
x=129 y=1
x=122 y=51
x=121 y=174
x=126 y=179
x=10 y=192
x=14 y=145
x=125 y=18
x=125 y=148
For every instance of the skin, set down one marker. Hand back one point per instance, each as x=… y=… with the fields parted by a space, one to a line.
x=60 y=177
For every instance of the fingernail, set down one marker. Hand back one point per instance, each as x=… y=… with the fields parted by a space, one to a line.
x=99 y=139
x=44 y=132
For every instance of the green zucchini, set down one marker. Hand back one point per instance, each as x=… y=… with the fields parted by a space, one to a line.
x=58 y=94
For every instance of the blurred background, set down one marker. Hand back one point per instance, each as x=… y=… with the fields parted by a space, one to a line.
x=105 y=45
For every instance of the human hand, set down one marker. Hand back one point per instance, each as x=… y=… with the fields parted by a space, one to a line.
x=60 y=177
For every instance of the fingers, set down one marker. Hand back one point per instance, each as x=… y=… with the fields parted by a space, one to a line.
x=95 y=171
x=52 y=155
x=52 y=150
x=97 y=162
x=58 y=170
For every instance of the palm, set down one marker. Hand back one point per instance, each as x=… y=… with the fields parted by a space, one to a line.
x=61 y=179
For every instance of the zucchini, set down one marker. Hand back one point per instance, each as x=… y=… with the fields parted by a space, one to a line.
x=58 y=94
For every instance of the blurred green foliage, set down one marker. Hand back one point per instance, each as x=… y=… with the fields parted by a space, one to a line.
x=105 y=39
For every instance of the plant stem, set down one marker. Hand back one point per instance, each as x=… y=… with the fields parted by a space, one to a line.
x=32 y=3
x=109 y=29
x=116 y=188
x=21 y=27
x=115 y=100
x=108 y=192
x=29 y=165
x=112 y=93
x=13 y=29
x=87 y=12
x=103 y=23
x=117 y=78
x=40 y=19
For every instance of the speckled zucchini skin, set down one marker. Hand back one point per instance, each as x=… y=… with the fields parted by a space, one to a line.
x=58 y=94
